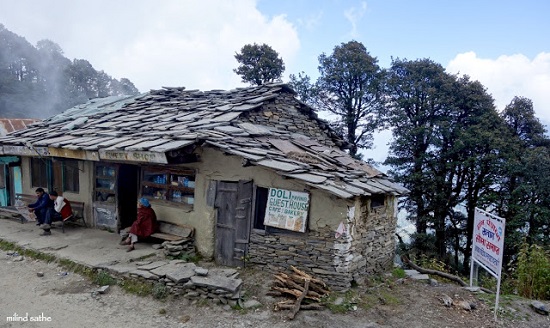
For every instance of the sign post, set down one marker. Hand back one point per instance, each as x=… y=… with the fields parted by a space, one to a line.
x=488 y=247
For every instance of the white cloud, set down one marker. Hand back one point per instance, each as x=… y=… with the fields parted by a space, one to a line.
x=154 y=44
x=354 y=15
x=509 y=76
x=311 y=21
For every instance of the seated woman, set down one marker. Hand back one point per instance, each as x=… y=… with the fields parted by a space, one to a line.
x=145 y=225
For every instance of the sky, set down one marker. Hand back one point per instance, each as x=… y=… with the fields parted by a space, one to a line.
x=503 y=44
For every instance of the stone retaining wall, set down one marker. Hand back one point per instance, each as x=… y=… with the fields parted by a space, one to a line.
x=217 y=285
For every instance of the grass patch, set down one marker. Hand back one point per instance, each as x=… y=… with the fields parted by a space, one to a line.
x=187 y=258
x=9 y=246
x=136 y=287
x=160 y=291
x=398 y=273
x=507 y=305
x=341 y=302
x=103 y=278
x=202 y=302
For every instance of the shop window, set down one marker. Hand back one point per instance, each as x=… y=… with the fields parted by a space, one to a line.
x=105 y=182
x=70 y=176
x=39 y=172
x=377 y=200
x=167 y=185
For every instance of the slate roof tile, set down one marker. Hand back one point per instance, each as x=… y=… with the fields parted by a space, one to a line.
x=173 y=118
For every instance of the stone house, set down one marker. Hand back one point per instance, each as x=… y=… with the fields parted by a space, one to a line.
x=263 y=180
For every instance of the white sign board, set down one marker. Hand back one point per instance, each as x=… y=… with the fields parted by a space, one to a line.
x=488 y=241
x=25 y=151
x=287 y=209
x=488 y=246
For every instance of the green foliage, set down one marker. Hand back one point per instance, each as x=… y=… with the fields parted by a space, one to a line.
x=104 y=278
x=136 y=287
x=259 y=64
x=533 y=272
x=432 y=263
x=350 y=86
x=398 y=273
x=187 y=257
x=160 y=291
x=305 y=89
x=40 y=81
x=348 y=302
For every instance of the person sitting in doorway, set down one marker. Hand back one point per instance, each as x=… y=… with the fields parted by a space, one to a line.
x=145 y=225
x=41 y=206
x=61 y=211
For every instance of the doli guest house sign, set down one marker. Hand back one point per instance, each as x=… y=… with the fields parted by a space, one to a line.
x=488 y=246
x=287 y=209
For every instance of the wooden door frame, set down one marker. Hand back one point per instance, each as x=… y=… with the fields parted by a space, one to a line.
x=234 y=224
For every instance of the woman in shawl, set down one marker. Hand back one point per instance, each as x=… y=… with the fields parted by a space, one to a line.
x=145 y=225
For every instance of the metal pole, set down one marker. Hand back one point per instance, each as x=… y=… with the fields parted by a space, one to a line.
x=472 y=263
x=497 y=298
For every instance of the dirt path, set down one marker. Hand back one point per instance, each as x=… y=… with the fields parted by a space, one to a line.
x=66 y=300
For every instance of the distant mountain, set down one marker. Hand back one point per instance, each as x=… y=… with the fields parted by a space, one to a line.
x=39 y=81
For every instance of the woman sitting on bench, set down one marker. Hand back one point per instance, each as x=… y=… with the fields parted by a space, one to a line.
x=145 y=225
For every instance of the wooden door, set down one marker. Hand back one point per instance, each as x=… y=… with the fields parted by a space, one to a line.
x=234 y=204
x=16 y=183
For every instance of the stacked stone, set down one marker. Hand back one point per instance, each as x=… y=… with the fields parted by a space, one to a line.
x=315 y=254
x=287 y=114
x=218 y=286
x=337 y=261
x=176 y=248
x=377 y=240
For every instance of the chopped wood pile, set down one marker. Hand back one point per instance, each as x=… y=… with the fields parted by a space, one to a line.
x=305 y=290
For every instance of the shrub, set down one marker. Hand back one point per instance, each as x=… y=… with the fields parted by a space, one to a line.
x=160 y=291
x=533 y=272
x=104 y=278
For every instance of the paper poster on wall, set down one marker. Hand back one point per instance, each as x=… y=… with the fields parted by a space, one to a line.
x=287 y=209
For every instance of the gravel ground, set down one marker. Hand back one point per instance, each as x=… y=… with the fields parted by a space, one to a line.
x=62 y=299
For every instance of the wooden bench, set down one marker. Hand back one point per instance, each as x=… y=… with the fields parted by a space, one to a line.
x=172 y=232
x=77 y=207
x=78 y=215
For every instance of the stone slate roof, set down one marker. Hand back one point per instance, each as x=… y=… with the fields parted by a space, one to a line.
x=174 y=118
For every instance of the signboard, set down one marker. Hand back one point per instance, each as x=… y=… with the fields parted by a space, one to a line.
x=74 y=153
x=25 y=151
x=488 y=241
x=488 y=247
x=287 y=209
x=133 y=156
